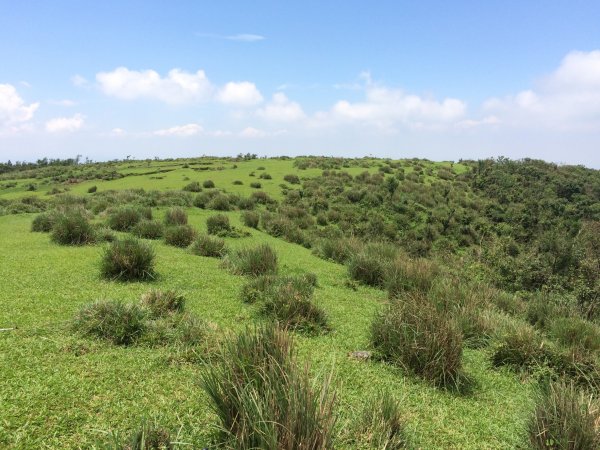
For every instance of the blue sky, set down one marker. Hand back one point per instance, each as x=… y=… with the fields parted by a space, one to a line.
x=441 y=80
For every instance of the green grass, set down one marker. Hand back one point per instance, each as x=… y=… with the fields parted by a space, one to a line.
x=57 y=390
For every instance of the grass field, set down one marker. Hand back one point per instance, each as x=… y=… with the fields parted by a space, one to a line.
x=58 y=390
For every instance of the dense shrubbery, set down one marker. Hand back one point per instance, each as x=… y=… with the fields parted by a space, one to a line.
x=176 y=216
x=250 y=219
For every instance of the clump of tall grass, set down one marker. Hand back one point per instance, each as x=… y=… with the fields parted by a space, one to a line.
x=381 y=425
x=219 y=202
x=180 y=235
x=42 y=223
x=367 y=268
x=565 y=417
x=339 y=250
x=413 y=334
x=194 y=186
x=125 y=218
x=254 y=261
x=149 y=229
x=176 y=216
x=72 y=228
x=127 y=260
x=408 y=275
x=218 y=224
x=577 y=334
x=263 y=399
x=119 y=323
x=250 y=219
x=161 y=303
x=208 y=184
x=521 y=347
x=211 y=246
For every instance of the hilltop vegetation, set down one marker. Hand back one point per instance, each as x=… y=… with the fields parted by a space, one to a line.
x=434 y=304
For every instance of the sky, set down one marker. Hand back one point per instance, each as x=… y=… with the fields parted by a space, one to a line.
x=430 y=79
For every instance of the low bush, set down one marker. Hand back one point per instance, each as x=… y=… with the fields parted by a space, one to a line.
x=211 y=246
x=149 y=229
x=219 y=203
x=250 y=219
x=194 y=186
x=257 y=289
x=265 y=176
x=208 y=184
x=119 y=323
x=255 y=185
x=564 y=418
x=338 y=250
x=182 y=329
x=105 y=234
x=367 y=269
x=218 y=225
x=42 y=223
x=520 y=348
x=260 y=260
x=413 y=334
x=238 y=182
x=127 y=260
x=264 y=400
x=176 y=216
x=161 y=303
x=381 y=425
x=292 y=179
x=124 y=218
x=92 y=189
x=577 y=334
x=72 y=228
x=180 y=236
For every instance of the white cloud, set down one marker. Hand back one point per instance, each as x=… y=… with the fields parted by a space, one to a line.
x=65 y=124
x=251 y=132
x=241 y=93
x=190 y=129
x=385 y=107
x=567 y=99
x=117 y=132
x=78 y=80
x=66 y=102
x=281 y=109
x=472 y=123
x=13 y=109
x=177 y=87
x=245 y=37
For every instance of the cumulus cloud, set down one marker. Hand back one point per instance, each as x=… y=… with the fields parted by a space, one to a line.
x=568 y=98
x=190 y=129
x=386 y=107
x=253 y=133
x=241 y=93
x=281 y=109
x=176 y=87
x=14 y=112
x=65 y=124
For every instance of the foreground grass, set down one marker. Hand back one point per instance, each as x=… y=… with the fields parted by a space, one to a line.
x=61 y=391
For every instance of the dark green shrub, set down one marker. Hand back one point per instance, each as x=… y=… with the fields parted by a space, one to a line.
x=238 y=182
x=257 y=289
x=262 y=198
x=520 y=348
x=255 y=185
x=180 y=236
x=149 y=229
x=564 y=418
x=338 y=250
x=381 y=425
x=260 y=260
x=220 y=203
x=148 y=437
x=176 y=216
x=105 y=234
x=124 y=218
x=119 y=323
x=263 y=399
x=128 y=259
x=413 y=334
x=265 y=176
x=92 y=189
x=246 y=203
x=211 y=246
x=194 y=186
x=72 y=228
x=218 y=224
x=43 y=222
x=162 y=303
x=292 y=179
x=208 y=184
x=250 y=219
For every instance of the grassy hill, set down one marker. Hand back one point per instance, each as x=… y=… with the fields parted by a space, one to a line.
x=501 y=253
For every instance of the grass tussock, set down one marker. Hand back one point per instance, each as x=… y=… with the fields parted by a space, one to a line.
x=161 y=303
x=176 y=216
x=128 y=259
x=410 y=275
x=381 y=425
x=72 y=228
x=125 y=218
x=180 y=235
x=149 y=229
x=210 y=246
x=413 y=334
x=43 y=223
x=218 y=225
x=565 y=417
x=250 y=218
x=253 y=261
x=262 y=397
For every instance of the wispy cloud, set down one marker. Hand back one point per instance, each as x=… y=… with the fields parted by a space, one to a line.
x=242 y=37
